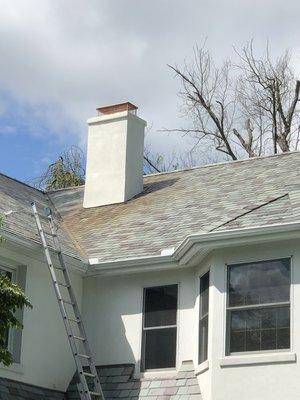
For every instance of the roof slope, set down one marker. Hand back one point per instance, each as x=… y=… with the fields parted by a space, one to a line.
x=17 y=196
x=173 y=205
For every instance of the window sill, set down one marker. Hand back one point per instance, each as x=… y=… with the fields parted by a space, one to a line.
x=158 y=373
x=203 y=367
x=253 y=359
x=16 y=368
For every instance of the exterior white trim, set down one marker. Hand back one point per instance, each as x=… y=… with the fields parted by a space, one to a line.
x=15 y=367
x=253 y=359
x=198 y=244
x=203 y=367
x=79 y=265
x=194 y=245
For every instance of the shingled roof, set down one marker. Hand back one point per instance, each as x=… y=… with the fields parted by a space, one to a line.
x=253 y=192
x=16 y=196
x=174 y=205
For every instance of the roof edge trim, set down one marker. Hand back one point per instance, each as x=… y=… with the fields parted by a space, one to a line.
x=190 y=246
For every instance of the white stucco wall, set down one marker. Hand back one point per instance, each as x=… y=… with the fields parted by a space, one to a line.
x=46 y=359
x=113 y=314
x=112 y=308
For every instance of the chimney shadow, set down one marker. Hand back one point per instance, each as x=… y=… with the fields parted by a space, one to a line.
x=155 y=186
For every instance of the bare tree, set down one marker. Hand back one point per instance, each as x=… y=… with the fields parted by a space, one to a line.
x=248 y=108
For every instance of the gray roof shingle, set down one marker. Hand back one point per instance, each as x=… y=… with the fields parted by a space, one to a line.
x=117 y=382
x=17 y=196
x=174 y=205
x=254 y=192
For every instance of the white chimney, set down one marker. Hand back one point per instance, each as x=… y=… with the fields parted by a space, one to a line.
x=114 y=170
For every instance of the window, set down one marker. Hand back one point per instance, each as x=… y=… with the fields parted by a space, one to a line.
x=8 y=274
x=203 y=317
x=160 y=327
x=258 y=306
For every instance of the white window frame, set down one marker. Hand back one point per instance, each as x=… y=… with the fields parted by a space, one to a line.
x=227 y=352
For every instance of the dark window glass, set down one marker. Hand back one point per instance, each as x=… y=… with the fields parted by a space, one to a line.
x=160 y=306
x=160 y=348
x=159 y=328
x=260 y=329
x=203 y=317
x=8 y=274
x=258 y=312
x=259 y=283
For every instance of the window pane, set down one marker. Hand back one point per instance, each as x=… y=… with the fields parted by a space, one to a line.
x=203 y=317
x=160 y=348
x=3 y=272
x=259 y=283
x=8 y=274
x=204 y=290
x=203 y=339
x=160 y=306
x=260 y=329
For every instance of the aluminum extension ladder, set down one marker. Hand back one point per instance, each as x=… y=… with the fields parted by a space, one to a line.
x=89 y=387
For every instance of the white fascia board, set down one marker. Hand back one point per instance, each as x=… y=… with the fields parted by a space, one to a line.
x=220 y=239
x=196 y=245
x=35 y=248
x=131 y=265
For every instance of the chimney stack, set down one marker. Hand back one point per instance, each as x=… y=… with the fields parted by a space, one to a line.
x=114 y=171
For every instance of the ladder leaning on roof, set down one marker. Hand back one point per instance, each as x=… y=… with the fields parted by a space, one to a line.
x=89 y=387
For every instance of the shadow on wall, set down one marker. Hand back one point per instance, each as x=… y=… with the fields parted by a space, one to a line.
x=113 y=312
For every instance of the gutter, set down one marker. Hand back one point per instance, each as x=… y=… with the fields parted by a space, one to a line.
x=196 y=245
x=77 y=263
x=136 y=264
x=226 y=238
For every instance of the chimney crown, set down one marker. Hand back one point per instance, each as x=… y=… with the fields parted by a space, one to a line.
x=115 y=108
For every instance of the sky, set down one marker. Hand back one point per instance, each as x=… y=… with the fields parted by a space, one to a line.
x=60 y=60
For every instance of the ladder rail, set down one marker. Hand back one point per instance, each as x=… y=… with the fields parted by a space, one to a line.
x=85 y=392
x=77 y=312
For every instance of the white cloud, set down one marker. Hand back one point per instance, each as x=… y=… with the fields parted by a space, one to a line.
x=65 y=58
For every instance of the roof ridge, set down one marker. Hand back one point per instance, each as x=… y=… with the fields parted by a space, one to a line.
x=286 y=153
x=60 y=189
x=22 y=183
x=193 y=168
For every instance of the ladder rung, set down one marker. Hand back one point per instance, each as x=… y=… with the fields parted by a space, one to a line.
x=83 y=356
x=43 y=217
x=62 y=269
x=62 y=284
x=67 y=301
x=50 y=234
x=73 y=319
x=79 y=338
x=89 y=374
x=95 y=393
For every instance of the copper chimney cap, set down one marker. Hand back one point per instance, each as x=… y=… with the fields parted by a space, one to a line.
x=115 y=108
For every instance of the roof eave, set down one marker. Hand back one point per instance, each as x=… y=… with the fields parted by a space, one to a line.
x=76 y=263
x=204 y=242
x=198 y=245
